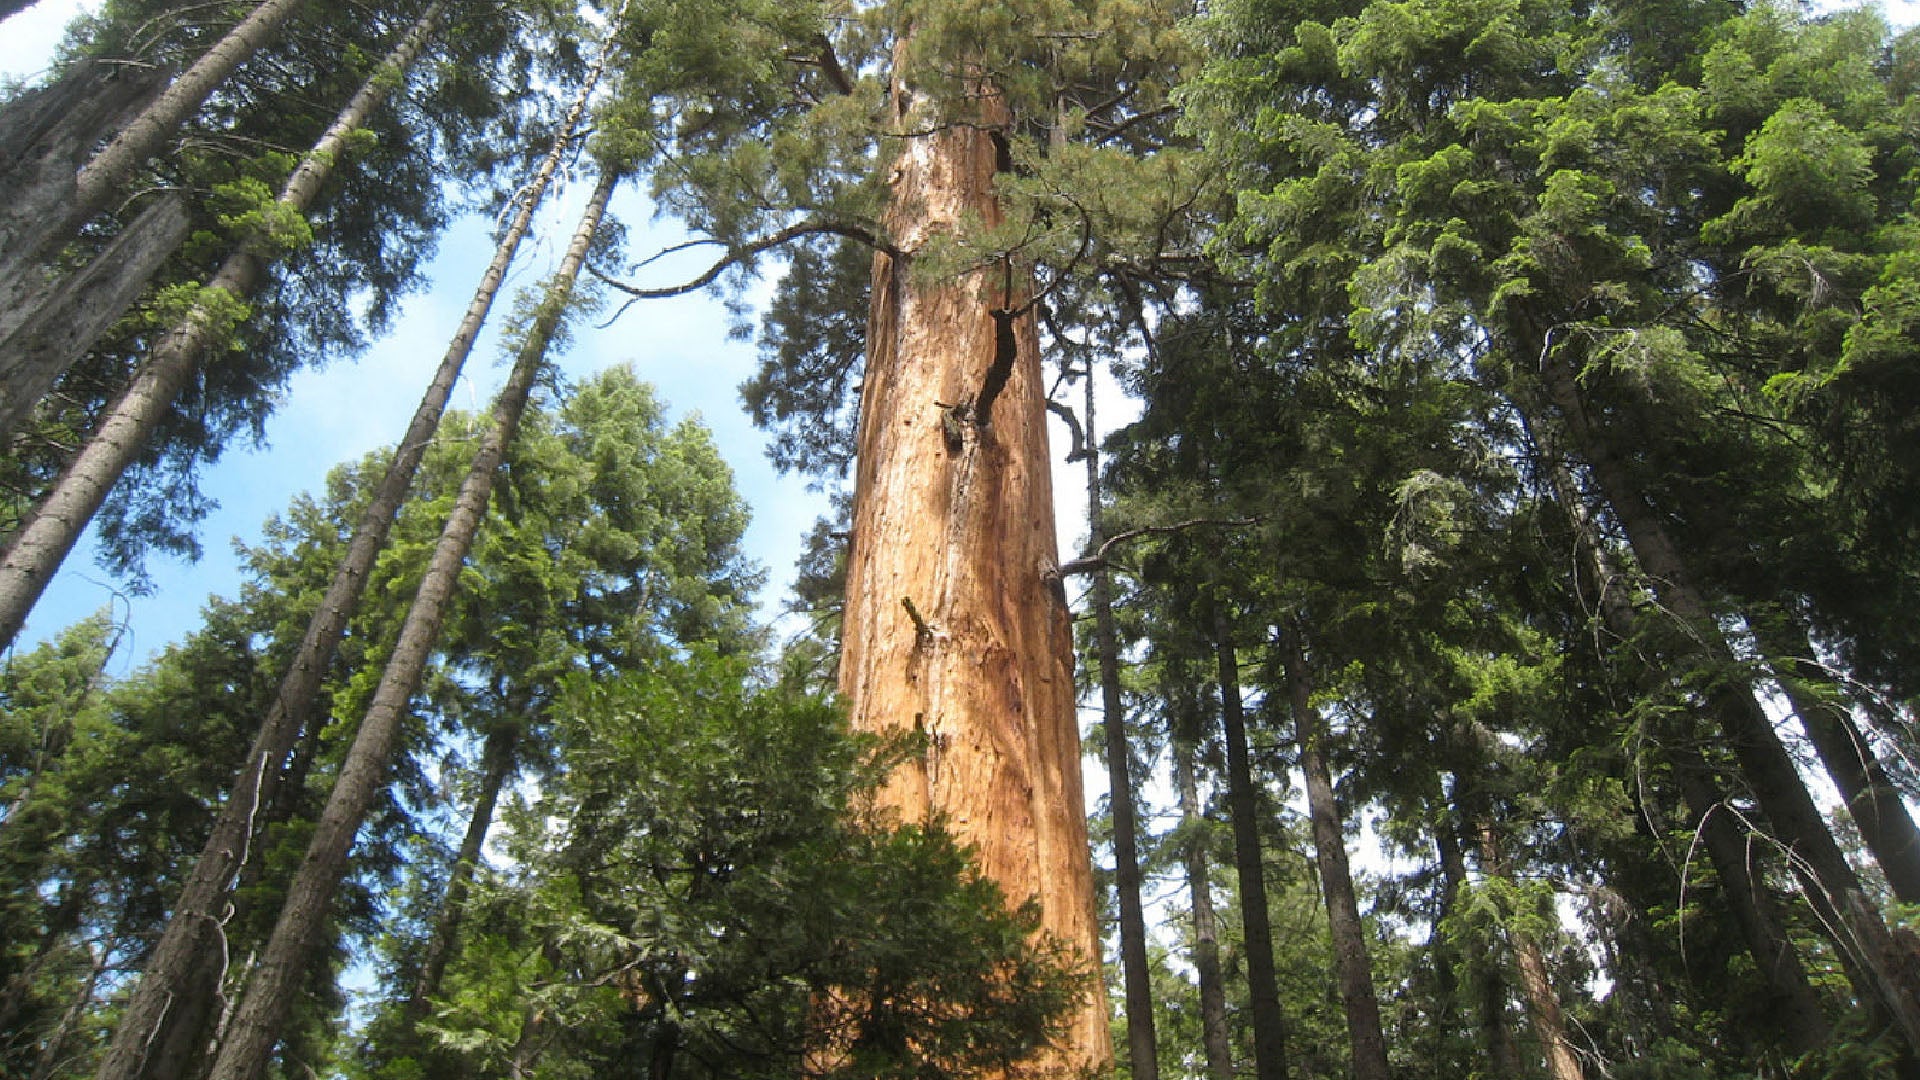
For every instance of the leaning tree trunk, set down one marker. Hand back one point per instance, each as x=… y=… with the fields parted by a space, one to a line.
x=196 y=914
x=1544 y=1014
x=956 y=625
x=1795 y=1007
x=1243 y=802
x=497 y=763
x=37 y=225
x=1143 y=1054
x=1215 y=1040
x=1776 y=782
x=75 y=313
x=270 y=991
x=56 y=524
x=1869 y=793
x=1353 y=969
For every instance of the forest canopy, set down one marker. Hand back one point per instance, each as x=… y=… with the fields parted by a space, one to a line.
x=1488 y=635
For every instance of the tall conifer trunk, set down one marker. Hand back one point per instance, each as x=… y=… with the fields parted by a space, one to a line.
x=1796 y=1007
x=269 y=993
x=1214 y=1036
x=1353 y=968
x=36 y=228
x=1857 y=925
x=956 y=625
x=35 y=554
x=1544 y=1014
x=1243 y=802
x=1143 y=1054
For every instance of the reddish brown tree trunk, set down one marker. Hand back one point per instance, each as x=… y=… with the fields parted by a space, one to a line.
x=956 y=626
x=1543 y=1001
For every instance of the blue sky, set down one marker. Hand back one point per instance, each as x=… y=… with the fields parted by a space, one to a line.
x=341 y=412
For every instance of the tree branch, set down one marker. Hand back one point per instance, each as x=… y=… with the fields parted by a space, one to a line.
x=738 y=255
x=1098 y=560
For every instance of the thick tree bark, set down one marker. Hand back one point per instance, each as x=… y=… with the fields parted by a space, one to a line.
x=270 y=990
x=42 y=545
x=1243 y=802
x=33 y=237
x=1353 y=969
x=1796 y=1008
x=65 y=323
x=497 y=764
x=1871 y=798
x=956 y=625
x=1858 y=927
x=1544 y=1014
x=1215 y=1040
x=1143 y=1054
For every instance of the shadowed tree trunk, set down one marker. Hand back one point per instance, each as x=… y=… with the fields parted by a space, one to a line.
x=1214 y=1037
x=37 y=551
x=1851 y=763
x=497 y=763
x=38 y=222
x=1796 y=821
x=270 y=991
x=1143 y=1054
x=1243 y=802
x=1489 y=986
x=1353 y=970
x=956 y=624
x=1796 y=1008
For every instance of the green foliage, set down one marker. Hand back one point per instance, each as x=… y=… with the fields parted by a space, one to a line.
x=706 y=889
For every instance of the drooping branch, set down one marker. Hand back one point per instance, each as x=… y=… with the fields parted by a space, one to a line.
x=737 y=255
x=1099 y=561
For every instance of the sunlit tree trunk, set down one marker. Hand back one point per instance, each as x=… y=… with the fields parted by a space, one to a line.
x=956 y=623
x=1544 y=1013
x=268 y=997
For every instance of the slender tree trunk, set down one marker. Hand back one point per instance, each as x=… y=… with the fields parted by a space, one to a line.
x=1770 y=771
x=1543 y=1002
x=1496 y=1033
x=270 y=990
x=1353 y=970
x=36 y=553
x=32 y=240
x=1143 y=1054
x=956 y=624
x=497 y=763
x=1243 y=802
x=1795 y=1007
x=1214 y=1037
x=56 y=1042
x=1869 y=793
x=1446 y=957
